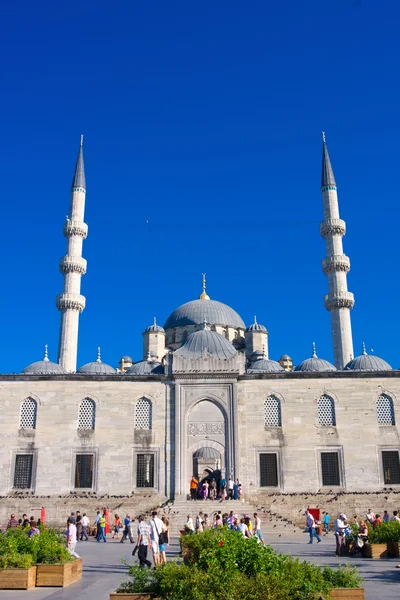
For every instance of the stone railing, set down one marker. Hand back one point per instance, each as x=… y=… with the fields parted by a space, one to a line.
x=339 y=300
x=332 y=227
x=70 y=302
x=73 y=264
x=75 y=228
x=337 y=262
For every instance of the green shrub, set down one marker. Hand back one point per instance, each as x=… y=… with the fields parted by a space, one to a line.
x=223 y=565
x=384 y=532
x=17 y=548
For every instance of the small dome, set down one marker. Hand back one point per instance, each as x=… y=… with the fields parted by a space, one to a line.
x=367 y=362
x=263 y=365
x=207 y=453
x=155 y=327
x=256 y=326
x=206 y=341
x=126 y=359
x=315 y=364
x=285 y=357
x=44 y=367
x=97 y=367
x=146 y=367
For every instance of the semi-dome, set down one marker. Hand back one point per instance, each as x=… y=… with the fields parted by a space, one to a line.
x=44 y=367
x=207 y=452
x=97 y=367
x=315 y=364
x=264 y=365
x=154 y=327
x=146 y=367
x=256 y=326
x=206 y=341
x=367 y=362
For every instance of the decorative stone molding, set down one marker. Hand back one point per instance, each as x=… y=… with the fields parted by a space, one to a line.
x=339 y=300
x=209 y=428
x=332 y=227
x=73 y=264
x=70 y=301
x=337 y=262
x=208 y=363
x=75 y=228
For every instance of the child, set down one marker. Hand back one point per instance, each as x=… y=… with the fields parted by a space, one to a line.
x=325 y=523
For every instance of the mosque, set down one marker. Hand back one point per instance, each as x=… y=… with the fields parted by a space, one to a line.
x=206 y=398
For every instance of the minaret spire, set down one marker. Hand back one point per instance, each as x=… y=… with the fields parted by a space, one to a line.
x=204 y=295
x=336 y=265
x=70 y=303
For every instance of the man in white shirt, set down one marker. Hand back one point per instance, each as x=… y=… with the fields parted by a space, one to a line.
x=156 y=526
x=257 y=528
x=311 y=528
x=71 y=538
x=242 y=527
x=231 y=483
x=189 y=525
x=340 y=526
x=371 y=517
x=85 y=524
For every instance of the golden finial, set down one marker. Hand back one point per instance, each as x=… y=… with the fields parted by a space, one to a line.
x=204 y=295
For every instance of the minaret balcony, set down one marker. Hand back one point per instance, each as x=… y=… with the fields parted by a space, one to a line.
x=78 y=228
x=70 y=302
x=73 y=264
x=332 y=227
x=339 y=300
x=337 y=262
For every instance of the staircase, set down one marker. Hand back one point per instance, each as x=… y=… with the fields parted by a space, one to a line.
x=272 y=524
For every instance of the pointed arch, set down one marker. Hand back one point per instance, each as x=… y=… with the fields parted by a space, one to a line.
x=326 y=411
x=28 y=414
x=143 y=414
x=87 y=415
x=272 y=411
x=385 y=410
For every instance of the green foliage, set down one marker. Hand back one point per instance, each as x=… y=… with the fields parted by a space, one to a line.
x=223 y=565
x=18 y=550
x=384 y=532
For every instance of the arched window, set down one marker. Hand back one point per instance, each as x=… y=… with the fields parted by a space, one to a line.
x=185 y=336
x=87 y=415
x=385 y=410
x=143 y=414
x=28 y=414
x=272 y=412
x=326 y=411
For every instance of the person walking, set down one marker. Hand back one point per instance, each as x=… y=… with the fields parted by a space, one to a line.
x=116 y=526
x=102 y=528
x=84 y=529
x=340 y=526
x=78 y=523
x=257 y=529
x=127 y=530
x=222 y=489
x=71 y=538
x=311 y=528
x=155 y=529
x=96 y=522
x=213 y=489
x=164 y=541
x=143 y=542
x=231 y=484
x=193 y=488
x=325 y=523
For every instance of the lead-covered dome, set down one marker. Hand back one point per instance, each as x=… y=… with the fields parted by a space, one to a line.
x=264 y=365
x=146 y=367
x=97 y=367
x=367 y=362
x=207 y=452
x=196 y=311
x=44 y=367
x=315 y=364
x=155 y=328
x=256 y=326
x=206 y=341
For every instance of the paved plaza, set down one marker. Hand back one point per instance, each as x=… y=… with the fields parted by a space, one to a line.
x=103 y=571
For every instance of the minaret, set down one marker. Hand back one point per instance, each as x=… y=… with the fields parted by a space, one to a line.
x=73 y=266
x=336 y=265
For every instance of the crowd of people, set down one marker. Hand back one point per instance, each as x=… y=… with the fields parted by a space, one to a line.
x=215 y=489
x=243 y=524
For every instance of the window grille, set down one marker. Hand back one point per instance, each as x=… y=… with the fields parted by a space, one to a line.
x=145 y=470
x=143 y=414
x=385 y=410
x=391 y=467
x=272 y=412
x=84 y=470
x=23 y=471
x=268 y=470
x=330 y=468
x=326 y=411
x=87 y=414
x=28 y=414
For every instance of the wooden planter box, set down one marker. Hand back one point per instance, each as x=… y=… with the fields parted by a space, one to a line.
x=347 y=594
x=375 y=551
x=17 y=579
x=58 y=575
x=393 y=549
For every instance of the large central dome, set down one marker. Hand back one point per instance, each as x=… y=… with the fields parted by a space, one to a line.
x=198 y=311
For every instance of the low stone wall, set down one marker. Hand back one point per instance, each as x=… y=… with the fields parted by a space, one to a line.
x=59 y=508
x=293 y=506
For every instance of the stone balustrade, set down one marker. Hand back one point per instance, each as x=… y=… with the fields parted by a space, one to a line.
x=337 y=262
x=75 y=228
x=339 y=300
x=70 y=301
x=332 y=227
x=73 y=264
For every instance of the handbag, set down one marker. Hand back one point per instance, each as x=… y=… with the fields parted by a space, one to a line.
x=163 y=538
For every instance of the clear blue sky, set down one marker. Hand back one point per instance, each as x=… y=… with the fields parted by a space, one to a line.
x=202 y=126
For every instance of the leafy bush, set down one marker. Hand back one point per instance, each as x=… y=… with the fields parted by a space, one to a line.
x=18 y=550
x=223 y=565
x=384 y=532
